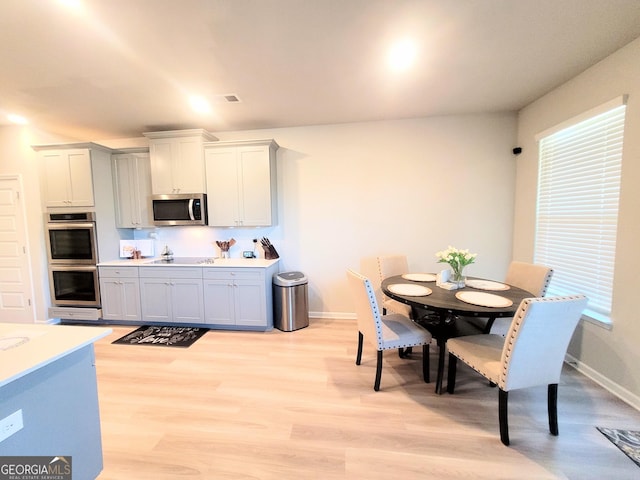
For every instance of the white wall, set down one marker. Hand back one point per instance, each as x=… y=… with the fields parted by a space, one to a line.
x=18 y=158
x=413 y=186
x=609 y=356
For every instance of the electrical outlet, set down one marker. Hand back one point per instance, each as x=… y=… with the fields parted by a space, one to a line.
x=10 y=425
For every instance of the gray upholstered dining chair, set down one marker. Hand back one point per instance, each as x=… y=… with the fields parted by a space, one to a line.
x=531 y=277
x=532 y=353
x=384 y=332
x=388 y=266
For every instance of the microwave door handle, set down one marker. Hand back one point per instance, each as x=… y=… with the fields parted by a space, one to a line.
x=191 y=216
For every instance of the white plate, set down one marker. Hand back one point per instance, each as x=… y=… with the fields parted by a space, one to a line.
x=409 y=290
x=484 y=299
x=486 y=285
x=420 y=277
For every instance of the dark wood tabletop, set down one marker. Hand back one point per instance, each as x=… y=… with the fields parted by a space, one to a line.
x=446 y=305
x=445 y=301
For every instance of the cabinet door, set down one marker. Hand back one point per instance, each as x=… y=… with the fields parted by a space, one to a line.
x=130 y=288
x=55 y=178
x=177 y=165
x=155 y=298
x=120 y=298
x=124 y=193
x=160 y=152
x=219 y=302
x=187 y=301
x=112 y=301
x=222 y=187
x=188 y=165
x=132 y=177
x=250 y=303
x=254 y=178
x=142 y=188
x=67 y=178
x=80 y=178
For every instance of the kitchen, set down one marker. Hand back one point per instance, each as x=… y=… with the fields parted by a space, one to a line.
x=96 y=199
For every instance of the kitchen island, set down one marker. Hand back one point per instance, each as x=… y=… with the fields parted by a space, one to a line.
x=229 y=293
x=49 y=396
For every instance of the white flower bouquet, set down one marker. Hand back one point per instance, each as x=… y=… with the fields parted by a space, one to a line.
x=457 y=260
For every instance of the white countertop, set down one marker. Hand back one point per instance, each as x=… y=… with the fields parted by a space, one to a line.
x=217 y=262
x=26 y=347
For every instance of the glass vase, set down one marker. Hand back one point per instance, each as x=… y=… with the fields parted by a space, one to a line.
x=458 y=278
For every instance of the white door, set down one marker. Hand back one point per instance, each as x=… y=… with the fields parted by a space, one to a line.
x=15 y=275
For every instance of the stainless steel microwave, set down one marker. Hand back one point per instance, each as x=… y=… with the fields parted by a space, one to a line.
x=179 y=209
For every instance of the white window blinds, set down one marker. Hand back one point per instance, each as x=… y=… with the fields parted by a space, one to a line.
x=577 y=209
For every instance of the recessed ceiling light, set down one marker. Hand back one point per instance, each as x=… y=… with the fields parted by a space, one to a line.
x=13 y=118
x=402 y=55
x=199 y=104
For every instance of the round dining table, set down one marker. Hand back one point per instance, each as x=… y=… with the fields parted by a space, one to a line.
x=444 y=305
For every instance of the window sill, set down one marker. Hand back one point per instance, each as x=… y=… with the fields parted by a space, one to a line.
x=602 y=322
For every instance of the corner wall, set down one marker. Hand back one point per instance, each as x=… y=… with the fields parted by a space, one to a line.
x=609 y=356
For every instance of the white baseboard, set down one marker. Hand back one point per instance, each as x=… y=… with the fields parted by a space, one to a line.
x=333 y=315
x=619 y=391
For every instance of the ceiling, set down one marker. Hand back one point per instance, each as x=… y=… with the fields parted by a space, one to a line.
x=117 y=68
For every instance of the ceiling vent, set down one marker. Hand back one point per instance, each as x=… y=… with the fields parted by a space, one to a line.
x=229 y=98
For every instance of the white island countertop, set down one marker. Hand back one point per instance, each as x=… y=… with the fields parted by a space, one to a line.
x=192 y=262
x=27 y=347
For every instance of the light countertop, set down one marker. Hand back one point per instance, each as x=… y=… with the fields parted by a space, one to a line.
x=192 y=262
x=26 y=347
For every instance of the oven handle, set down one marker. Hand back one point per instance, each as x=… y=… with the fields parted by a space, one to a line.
x=191 y=216
x=70 y=226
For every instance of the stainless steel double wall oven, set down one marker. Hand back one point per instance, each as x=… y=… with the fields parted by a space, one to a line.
x=73 y=257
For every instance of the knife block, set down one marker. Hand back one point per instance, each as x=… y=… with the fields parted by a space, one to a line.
x=270 y=252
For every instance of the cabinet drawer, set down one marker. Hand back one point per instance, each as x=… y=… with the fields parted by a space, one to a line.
x=170 y=272
x=118 y=272
x=213 y=273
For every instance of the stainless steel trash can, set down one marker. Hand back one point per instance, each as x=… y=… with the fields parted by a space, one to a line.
x=290 y=301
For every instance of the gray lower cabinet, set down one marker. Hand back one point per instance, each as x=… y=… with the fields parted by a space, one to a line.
x=221 y=297
x=236 y=297
x=172 y=294
x=120 y=293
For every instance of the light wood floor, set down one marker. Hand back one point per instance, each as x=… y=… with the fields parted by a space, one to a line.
x=242 y=405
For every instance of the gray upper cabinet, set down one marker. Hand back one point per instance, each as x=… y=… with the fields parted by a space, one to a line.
x=132 y=188
x=177 y=162
x=241 y=183
x=67 y=178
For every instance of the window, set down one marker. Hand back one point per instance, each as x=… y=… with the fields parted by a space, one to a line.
x=577 y=208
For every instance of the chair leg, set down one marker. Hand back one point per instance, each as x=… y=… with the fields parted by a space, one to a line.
x=503 y=398
x=359 y=354
x=451 y=377
x=552 y=406
x=426 y=370
x=442 y=348
x=488 y=325
x=376 y=385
